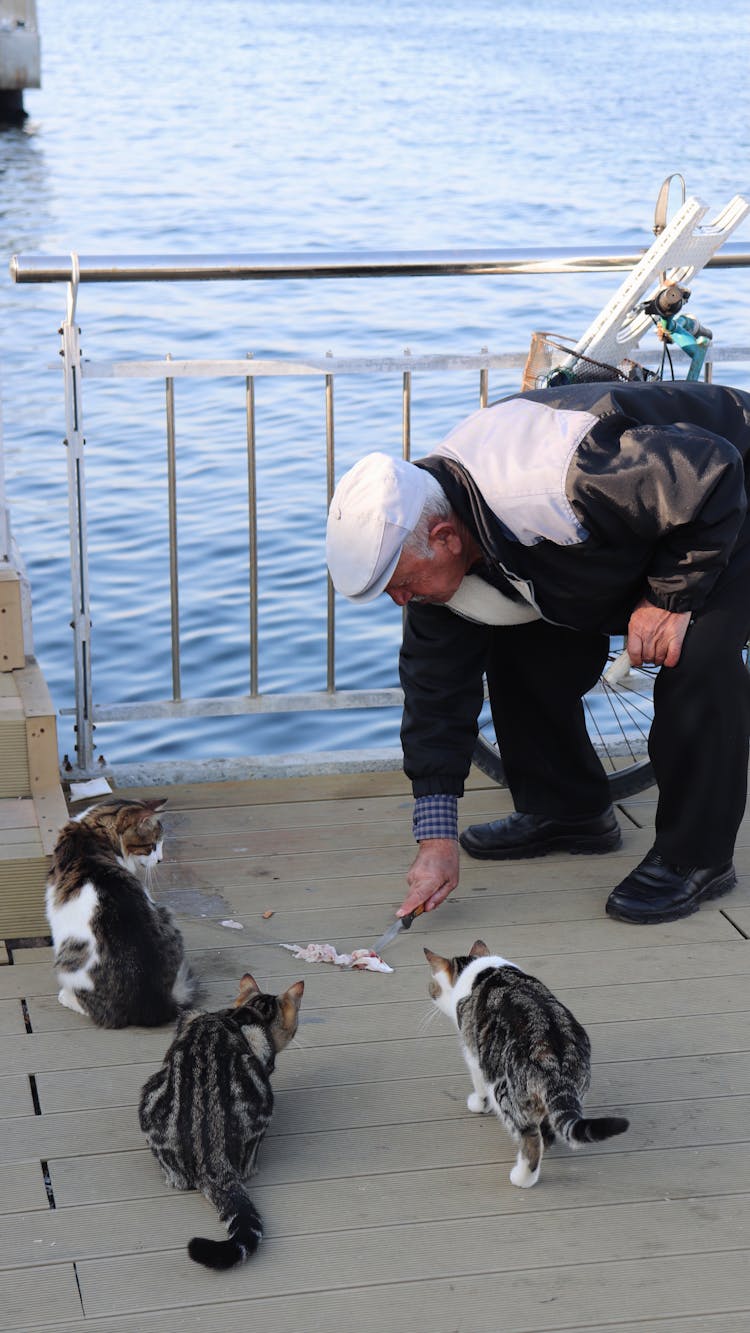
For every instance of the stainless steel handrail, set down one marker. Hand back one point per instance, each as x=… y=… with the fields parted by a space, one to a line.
x=367 y=264
x=75 y=270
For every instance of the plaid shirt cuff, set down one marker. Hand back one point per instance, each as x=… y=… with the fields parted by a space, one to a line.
x=435 y=817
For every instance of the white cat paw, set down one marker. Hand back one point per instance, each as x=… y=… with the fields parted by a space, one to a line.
x=68 y=999
x=522 y=1177
x=476 y=1103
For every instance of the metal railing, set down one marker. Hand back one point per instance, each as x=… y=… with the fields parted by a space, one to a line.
x=76 y=270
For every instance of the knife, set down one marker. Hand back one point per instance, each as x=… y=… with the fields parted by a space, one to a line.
x=401 y=923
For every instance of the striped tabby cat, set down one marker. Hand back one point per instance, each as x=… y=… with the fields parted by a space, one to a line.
x=206 y=1111
x=119 y=956
x=528 y=1057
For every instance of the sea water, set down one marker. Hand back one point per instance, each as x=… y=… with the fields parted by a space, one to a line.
x=304 y=125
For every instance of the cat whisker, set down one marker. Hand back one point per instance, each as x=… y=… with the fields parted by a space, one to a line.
x=427 y=1018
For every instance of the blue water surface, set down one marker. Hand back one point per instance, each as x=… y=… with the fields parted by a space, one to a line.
x=239 y=127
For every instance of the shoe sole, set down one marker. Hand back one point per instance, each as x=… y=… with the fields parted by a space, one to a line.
x=715 y=890
x=603 y=842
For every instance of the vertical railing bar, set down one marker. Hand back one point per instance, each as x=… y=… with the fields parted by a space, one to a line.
x=406 y=412
x=330 y=474
x=77 y=527
x=252 y=520
x=484 y=382
x=174 y=595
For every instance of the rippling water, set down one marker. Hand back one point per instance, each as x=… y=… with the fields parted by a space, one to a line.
x=239 y=127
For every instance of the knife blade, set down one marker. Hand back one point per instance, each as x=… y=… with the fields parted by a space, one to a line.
x=401 y=923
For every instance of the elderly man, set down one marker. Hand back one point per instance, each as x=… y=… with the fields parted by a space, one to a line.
x=537 y=528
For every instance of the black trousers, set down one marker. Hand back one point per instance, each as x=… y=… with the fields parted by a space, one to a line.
x=537 y=675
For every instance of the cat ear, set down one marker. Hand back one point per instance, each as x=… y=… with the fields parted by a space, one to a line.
x=479 y=950
x=157 y=804
x=294 y=993
x=437 y=963
x=290 y=1002
x=248 y=987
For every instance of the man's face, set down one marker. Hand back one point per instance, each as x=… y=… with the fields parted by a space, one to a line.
x=424 y=579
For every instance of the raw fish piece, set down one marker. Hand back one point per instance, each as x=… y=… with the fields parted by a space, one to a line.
x=362 y=960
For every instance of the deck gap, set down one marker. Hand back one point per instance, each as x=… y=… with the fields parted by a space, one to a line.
x=627 y=814
x=26 y=1015
x=48 y=1184
x=35 y=1095
x=27 y=942
x=725 y=913
x=78 y=1285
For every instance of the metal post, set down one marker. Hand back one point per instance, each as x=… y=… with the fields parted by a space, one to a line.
x=331 y=610
x=174 y=591
x=484 y=382
x=406 y=411
x=252 y=522
x=79 y=568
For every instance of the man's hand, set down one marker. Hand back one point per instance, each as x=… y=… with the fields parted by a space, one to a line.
x=432 y=875
x=655 y=635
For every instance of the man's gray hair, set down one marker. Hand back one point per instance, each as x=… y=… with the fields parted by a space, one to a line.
x=437 y=506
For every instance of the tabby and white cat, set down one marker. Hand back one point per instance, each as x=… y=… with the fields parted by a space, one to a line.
x=119 y=956
x=206 y=1111
x=529 y=1058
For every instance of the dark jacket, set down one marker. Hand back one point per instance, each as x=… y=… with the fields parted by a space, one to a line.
x=659 y=485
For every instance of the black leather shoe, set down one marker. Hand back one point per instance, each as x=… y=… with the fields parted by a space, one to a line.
x=519 y=836
x=656 y=891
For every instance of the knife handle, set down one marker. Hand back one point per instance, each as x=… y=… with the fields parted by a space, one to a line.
x=406 y=921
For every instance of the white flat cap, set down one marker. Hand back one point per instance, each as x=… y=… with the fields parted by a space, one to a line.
x=375 y=507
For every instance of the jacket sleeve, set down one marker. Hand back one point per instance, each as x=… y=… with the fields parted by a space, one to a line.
x=679 y=489
x=441 y=667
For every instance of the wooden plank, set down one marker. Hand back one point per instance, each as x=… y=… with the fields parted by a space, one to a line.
x=26 y=980
x=116 y=1171
x=33 y=691
x=222 y=968
x=491 y=915
x=12 y=653
x=87 y=1046
x=51 y=813
x=15 y=1096
x=455 y=1245
x=22 y=884
x=14 y=773
x=17 y=813
x=233 y=1317
x=33 y=953
x=262 y=791
x=18 y=843
x=145 y=1282
x=167 y=1218
x=22 y=1188
x=454 y=928
x=11 y=1017
x=29 y=1297
x=715 y=995
x=430 y=1096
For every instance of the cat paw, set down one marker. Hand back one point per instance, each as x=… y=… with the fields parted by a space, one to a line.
x=476 y=1103
x=68 y=999
x=522 y=1177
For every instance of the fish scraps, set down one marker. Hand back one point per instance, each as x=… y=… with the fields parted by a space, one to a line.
x=360 y=960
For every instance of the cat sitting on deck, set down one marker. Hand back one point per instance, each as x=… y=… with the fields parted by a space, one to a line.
x=119 y=956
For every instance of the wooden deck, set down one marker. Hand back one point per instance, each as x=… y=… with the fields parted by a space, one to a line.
x=387 y=1204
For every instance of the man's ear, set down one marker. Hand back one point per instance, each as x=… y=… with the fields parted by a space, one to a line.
x=445 y=533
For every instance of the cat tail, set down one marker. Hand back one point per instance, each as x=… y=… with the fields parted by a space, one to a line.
x=567 y=1119
x=241 y=1219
